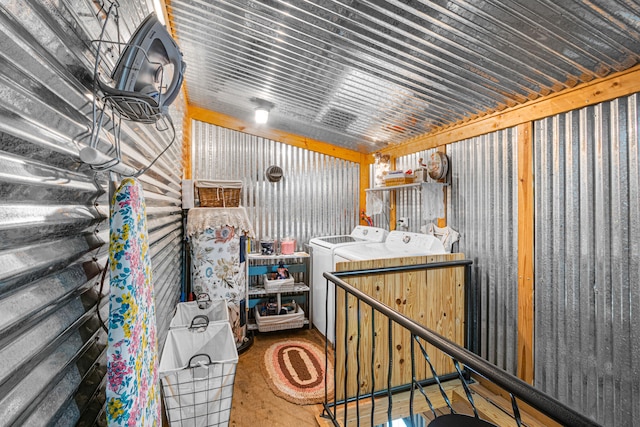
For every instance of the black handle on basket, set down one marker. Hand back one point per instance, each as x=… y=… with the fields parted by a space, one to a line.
x=203 y=297
x=198 y=355
x=204 y=301
x=195 y=325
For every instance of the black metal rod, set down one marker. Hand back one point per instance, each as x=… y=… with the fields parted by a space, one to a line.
x=551 y=407
x=358 y=343
x=346 y=346
x=413 y=378
x=470 y=311
x=372 y=363
x=399 y=268
x=389 y=370
x=397 y=389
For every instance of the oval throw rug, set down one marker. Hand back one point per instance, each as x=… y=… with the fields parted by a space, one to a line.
x=294 y=369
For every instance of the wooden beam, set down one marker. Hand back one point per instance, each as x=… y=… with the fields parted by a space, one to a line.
x=442 y=222
x=365 y=183
x=525 y=252
x=392 y=198
x=229 y=122
x=617 y=85
x=186 y=148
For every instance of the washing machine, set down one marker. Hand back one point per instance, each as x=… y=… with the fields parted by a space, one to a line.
x=322 y=260
x=397 y=244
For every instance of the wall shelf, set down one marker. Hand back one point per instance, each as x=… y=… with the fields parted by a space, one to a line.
x=395 y=187
x=260 y=290
x=416 y=185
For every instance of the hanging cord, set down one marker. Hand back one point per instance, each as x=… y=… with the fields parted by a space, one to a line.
x=96 y=128
x=104 y=274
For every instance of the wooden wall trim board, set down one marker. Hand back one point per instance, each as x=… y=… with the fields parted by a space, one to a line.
x=525 y=252
x=365 y=163
x=187 y=162
x=392 y=198
x=219 y=119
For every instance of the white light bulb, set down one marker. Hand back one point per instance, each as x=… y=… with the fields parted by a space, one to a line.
x=262 y=115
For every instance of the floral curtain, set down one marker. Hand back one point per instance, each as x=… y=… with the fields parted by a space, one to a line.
x=132 y=353
x=218 y=269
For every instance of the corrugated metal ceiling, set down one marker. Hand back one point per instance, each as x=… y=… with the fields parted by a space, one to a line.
x=363 y=74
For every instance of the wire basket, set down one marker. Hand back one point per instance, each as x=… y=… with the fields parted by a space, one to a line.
x=197 y=372
x=219 y=194
x=140 y=108
x=187 y=312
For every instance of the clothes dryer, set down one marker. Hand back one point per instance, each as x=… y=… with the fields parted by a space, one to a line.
x=398 y=244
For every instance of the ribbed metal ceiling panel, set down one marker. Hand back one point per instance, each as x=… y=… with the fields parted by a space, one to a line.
x=366 y=73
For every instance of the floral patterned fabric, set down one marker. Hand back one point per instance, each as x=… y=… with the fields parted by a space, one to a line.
x=133 y=397
x=218 y=270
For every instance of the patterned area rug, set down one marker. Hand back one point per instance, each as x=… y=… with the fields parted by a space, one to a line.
x=295 y=371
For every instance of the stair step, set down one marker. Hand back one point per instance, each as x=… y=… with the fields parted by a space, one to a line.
x=491 y=406
x=499 y=398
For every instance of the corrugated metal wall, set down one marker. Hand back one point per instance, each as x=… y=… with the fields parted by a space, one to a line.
x=483 y=208
x=587 y=298
x=318 y=195
x=53 y=214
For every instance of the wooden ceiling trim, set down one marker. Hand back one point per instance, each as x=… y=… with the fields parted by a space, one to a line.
x=605 y=89
x=222 y=120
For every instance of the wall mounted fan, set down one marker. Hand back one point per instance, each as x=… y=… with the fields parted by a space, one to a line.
x=148 y=74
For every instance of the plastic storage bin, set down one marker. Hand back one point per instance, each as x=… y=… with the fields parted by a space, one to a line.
x=197 y=371
x=288 y=246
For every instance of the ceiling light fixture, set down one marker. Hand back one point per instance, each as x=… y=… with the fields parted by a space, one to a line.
x=262 y=115
x=262 y=110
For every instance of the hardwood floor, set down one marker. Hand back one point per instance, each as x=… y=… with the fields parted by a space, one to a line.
x=254 y=404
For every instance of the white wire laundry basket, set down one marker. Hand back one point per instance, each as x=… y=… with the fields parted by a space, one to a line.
x=197 y=372
x=215 y=310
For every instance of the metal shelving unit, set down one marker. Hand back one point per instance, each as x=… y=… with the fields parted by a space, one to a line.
x=297 y=264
